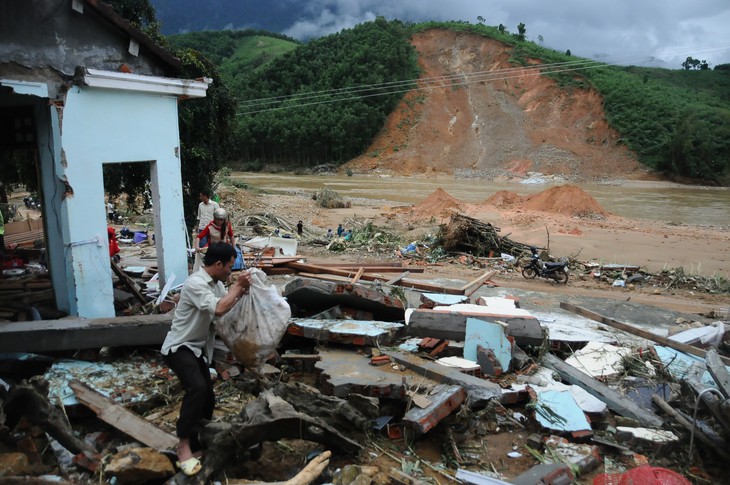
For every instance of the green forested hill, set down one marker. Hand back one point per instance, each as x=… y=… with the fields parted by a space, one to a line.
x=675 y=120
x=235 y=53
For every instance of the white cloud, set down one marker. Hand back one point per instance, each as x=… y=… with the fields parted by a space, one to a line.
x=624 y=31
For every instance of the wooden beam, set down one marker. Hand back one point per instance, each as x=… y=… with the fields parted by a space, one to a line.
x=122 y=419
x=718 y=372
x=397 y=279
x=418 y=285
x=638 y=332
x=614 y=400
x=712 y=444
x=128 y=282
x=478 y=281
x=357 y=276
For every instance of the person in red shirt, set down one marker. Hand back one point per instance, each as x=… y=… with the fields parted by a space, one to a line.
x=113 y=245
x=218 y=230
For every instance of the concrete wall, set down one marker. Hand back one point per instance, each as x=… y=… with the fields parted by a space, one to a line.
x=107 y=126
x=48 y=35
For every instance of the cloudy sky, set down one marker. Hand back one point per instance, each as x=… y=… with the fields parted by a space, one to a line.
x=654 y=32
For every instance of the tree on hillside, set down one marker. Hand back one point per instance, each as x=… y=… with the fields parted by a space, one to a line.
x=521 y=31
x=540 y=39
x=502 y=29
x=206 y=124
x=480 y=19
x=695 y=64
x=722 y=67
x=568 y=53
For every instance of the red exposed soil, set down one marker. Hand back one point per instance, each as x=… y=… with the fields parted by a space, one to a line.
x=566 y=199
x=501 y=128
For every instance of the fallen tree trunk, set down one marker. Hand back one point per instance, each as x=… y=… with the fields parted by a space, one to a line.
x=30 y=400
x=268 y=418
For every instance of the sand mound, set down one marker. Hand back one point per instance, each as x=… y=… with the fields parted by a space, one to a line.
x=503 y=198
x=439 y=203
x=565 y=199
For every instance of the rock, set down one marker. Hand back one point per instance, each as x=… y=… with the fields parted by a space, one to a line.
x=347 y=475
x=13 y=464
x=137 y=465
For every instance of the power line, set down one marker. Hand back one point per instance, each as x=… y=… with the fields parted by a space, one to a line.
x=394 y=87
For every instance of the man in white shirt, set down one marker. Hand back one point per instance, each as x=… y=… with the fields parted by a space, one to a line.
x=188 y=346
x=205 y=209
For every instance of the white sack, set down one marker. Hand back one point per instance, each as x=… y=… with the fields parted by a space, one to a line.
x=256 y=324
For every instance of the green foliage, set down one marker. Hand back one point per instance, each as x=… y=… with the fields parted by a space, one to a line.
x=328 y=126
x=691 y=63
x=206 y=124
x=236 y=53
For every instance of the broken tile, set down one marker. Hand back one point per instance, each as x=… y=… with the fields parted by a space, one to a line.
x=583 y=458
x=599 y=360
x=355 y=332
x=557 y=410
x=646 y=435
x=546 y=473
x=430 y=300
x=490 y=335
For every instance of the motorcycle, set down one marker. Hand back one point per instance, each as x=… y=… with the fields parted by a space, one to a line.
x=556 y=271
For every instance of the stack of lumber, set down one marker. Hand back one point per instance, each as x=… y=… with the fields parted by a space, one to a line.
x=23 y=233
x=17 y=295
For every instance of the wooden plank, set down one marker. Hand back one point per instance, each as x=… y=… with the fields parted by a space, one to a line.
x=478 y=281
x=122 y=419
x=713 y=444
x=398 y=278
x=638 y=332
x=718 y=372
x=357 y=276
x=312 y=268
x=365 y=265
x=128 y=282
x=614 y=400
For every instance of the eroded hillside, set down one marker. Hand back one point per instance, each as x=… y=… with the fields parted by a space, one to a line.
x=519 y=123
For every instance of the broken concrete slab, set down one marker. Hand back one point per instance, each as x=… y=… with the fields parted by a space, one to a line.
x=355 y=332
x=545 y=474
x=444 y=400
x=80 y=333
x=431 y=300
x=599 y=360
x=123 y=381
x=449 y=323
x=490 y=335
x=479 y=391
x=613 y=400
x=710 y=335
x=543 y=380
x=582 y=458
x=312 y=296
x=558 y=411
x=646 y=436
x=345 y=372
x=679 y=365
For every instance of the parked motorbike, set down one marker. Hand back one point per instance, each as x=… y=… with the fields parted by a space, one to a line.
x=555 y=271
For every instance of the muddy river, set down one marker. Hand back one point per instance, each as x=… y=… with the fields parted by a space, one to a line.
x=646 y=200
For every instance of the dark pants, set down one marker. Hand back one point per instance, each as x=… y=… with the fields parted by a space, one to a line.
x=199 y=399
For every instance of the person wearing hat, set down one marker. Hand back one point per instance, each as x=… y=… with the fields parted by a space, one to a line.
x=217 y=230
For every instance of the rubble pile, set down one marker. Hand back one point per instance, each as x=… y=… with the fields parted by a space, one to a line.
x=375 y=383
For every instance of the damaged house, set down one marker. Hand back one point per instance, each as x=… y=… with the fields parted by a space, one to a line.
x=82 y=88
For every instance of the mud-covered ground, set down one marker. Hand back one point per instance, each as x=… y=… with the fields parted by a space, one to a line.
x=653 y=245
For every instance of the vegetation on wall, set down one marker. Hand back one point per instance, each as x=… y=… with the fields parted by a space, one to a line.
x=206 y=124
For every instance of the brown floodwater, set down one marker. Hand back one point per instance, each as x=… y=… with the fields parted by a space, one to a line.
x=661 y=201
